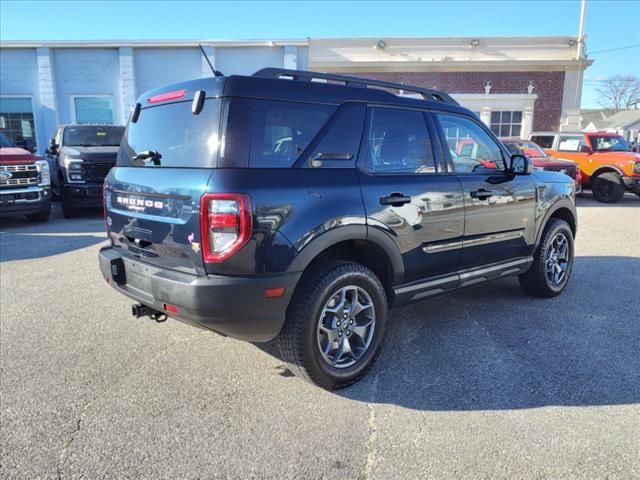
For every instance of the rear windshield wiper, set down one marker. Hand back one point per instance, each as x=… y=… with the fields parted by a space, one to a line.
x=151 y=154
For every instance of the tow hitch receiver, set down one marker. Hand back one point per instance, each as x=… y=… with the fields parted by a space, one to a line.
x=140 y=310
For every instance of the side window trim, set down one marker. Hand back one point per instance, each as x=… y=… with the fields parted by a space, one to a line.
x=363 y=148
x=304 y=160
x=483 y=127
x=440 y=160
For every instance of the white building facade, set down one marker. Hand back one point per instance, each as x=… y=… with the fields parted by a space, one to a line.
x=515 y=85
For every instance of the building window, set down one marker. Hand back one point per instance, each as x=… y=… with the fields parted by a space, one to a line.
x=506 y=123
x=93 y=109
x=16 y=121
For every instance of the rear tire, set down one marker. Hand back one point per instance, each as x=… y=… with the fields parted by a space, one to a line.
x=552 y=261
x=334 y=325
x=608 y=188
x=68 y=210
x=40 y=216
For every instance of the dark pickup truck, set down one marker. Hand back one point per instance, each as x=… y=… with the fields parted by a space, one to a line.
x=80 y=156
x=301 y=206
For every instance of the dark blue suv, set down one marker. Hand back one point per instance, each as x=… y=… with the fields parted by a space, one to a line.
x=302 y=206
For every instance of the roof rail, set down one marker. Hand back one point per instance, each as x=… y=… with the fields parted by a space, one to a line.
x=305 y=76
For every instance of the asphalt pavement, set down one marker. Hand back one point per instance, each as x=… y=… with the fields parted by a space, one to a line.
x=487 y=383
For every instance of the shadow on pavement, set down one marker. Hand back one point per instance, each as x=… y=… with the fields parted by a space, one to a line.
x=585 y=199
x=21 y=240
x=494 y=348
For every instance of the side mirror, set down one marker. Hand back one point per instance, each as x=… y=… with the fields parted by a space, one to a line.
x=520 y=165
x=585 y=149
x=52 y=149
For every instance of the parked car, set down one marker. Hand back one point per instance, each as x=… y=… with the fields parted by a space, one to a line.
x=80 y=156
x=277 y=206
x=24 y=183
x=606 y=162
x=543 y=161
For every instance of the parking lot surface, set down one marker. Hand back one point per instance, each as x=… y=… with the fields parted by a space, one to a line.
x=487 y=383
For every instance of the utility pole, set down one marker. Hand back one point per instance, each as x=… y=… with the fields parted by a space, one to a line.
x=580 y=50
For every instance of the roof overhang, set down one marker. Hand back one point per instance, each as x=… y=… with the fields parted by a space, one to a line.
x=454 y=54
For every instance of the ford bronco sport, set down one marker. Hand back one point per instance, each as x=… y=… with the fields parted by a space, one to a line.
x=280 y=206
x=80 y=156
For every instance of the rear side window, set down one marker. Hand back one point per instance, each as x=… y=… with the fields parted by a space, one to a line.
x=570 y=143
x=397 y=141
x=180 y=138
x=269 y=133
x=337 y=145
x=545 y=141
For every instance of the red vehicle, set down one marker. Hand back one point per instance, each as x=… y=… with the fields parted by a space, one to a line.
x=24 y=183
x=542 y=160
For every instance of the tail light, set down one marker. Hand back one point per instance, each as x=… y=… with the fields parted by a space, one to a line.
x=225 y=224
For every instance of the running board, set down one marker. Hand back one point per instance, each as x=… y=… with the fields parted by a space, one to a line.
x=414 y=292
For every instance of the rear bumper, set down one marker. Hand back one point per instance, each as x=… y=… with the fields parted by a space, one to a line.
x=233 y=306
x=85 y=195
x=632 y=183
x=23 y=201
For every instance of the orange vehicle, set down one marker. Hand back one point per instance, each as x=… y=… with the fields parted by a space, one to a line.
x=606 y=162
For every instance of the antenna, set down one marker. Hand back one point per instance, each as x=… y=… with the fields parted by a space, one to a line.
x=216 y=73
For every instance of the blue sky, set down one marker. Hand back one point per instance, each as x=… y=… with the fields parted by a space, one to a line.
x=609 y=24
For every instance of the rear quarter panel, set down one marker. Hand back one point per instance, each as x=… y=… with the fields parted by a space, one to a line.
x=291 y=208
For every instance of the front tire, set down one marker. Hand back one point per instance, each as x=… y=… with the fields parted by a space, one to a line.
x=335 y=324
x=40 y=216
x=608 y=188
x=68 y=210
x=552 y=261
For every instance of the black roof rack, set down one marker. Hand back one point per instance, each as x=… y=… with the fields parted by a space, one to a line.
x=301 y=75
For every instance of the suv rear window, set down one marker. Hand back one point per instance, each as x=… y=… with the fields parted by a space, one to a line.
x=181 y=138
x=269 y=133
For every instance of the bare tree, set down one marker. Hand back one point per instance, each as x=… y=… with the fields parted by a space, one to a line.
x=619 y=92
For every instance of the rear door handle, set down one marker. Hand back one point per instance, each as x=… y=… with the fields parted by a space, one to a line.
x=396 y=199
x=481 y=194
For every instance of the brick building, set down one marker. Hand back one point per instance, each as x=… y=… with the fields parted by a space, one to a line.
x=515 y=84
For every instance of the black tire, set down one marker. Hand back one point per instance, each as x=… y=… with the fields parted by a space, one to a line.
x=536 y=281
x=608 y=188
x=299 y=340
x=40 y=216
x=68 y=210
x=57 y=188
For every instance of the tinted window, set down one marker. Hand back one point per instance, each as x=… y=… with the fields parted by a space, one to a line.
x=470 y=147
x=181 y=138
x=337 y=146
x=545 y=141
x=528 y=149
x=609 y=144
x=277 y=133
x=397 y=141
x=92 y=136
x=5 y=142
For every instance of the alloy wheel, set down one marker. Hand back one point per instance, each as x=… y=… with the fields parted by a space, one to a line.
x=346 y=326
x=557 y=260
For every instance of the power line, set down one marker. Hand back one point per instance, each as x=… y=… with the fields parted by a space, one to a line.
x=635 y=45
